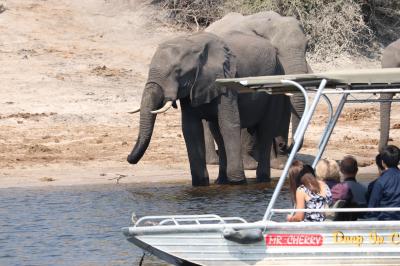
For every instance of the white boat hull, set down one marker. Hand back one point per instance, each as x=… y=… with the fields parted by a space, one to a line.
x=328 y=243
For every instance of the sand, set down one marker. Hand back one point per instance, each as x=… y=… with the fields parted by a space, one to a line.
x=72 y=70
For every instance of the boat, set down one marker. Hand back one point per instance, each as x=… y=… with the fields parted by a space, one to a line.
x=208 y=239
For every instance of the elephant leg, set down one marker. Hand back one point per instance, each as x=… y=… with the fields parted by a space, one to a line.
x=278 y=152
x=211 y=155
x=222 y=176
x=385 y=120
x=193 y=133
x=248 y=146
x=229 y=124
x=264 y=153
x=297 y=105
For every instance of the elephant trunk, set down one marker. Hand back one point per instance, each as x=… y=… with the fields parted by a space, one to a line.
x=295 y=63
x=152 y=99
x=385 y=119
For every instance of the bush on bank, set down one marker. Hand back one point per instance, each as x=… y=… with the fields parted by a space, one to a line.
x=333 y=26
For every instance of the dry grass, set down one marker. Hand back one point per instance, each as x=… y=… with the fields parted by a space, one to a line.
x=383 y=17
x=332 y=26
x=193 y=14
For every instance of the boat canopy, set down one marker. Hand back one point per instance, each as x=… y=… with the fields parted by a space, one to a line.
x=210 y=239
x=345 y=83
x=353 y=79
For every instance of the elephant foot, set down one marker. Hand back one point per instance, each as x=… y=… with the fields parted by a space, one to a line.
x=249 y=163
x=237 y=179
x=278 y=162
x=221 y=180
x=200 y=182
x=238 y=182
x=263 y=179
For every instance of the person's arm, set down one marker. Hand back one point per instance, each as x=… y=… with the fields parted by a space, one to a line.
x=300 y=200
x=369 y=190
x=375 y=198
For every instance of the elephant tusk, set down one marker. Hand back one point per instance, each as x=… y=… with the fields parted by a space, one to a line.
x=163 y=109
x=134 y=111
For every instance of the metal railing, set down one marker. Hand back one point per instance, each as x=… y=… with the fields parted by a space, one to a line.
x=177 y=220
x=396 y=209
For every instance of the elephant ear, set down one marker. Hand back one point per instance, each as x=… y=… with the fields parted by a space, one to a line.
x=216 y=60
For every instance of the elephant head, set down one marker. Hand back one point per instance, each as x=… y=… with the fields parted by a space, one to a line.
x=184 y=67
x=390 y=58
x=287 y=35
x=284 y=33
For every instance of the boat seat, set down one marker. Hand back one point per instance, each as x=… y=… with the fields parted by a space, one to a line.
x=245 y=236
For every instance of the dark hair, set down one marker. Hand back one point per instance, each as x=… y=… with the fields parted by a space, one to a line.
x=311 y=182
x=349 y=165
x=390 y=156
x=378 y=162
x=296 y=171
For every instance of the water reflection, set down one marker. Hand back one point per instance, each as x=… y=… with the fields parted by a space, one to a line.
x=81 y=225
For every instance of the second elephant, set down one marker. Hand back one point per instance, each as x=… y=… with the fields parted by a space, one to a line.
x=286 y=35
x=390 y=58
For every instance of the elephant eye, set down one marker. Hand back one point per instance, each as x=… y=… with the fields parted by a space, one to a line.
x=178 y=71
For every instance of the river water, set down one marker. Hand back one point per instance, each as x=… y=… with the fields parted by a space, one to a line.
x=81 y=225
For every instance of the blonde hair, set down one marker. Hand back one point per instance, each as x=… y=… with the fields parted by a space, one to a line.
x=327 y=169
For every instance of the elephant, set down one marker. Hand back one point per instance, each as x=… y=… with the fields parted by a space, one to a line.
x=284 y=33
x=185 y=69
x=196 y=90
x=390 y=58
x=287 y=36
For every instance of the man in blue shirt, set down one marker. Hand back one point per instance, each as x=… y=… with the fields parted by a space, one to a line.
x=386 y=190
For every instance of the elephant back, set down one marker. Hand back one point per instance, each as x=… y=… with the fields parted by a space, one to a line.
x=391 y=55
x=255 y=56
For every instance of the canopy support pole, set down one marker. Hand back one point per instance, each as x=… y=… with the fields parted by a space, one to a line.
x=330 y=110
x=329 y=129
x=299 y=135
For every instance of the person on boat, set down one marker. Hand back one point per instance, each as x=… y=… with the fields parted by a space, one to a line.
x=349 y=169
x=386 y=190
x=378 y=162
x=355 y=196
x=308 y=193
x=328 y=171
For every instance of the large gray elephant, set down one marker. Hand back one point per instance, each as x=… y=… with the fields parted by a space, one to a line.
x=390 y=58
x=287 y=36
x=186 y=68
